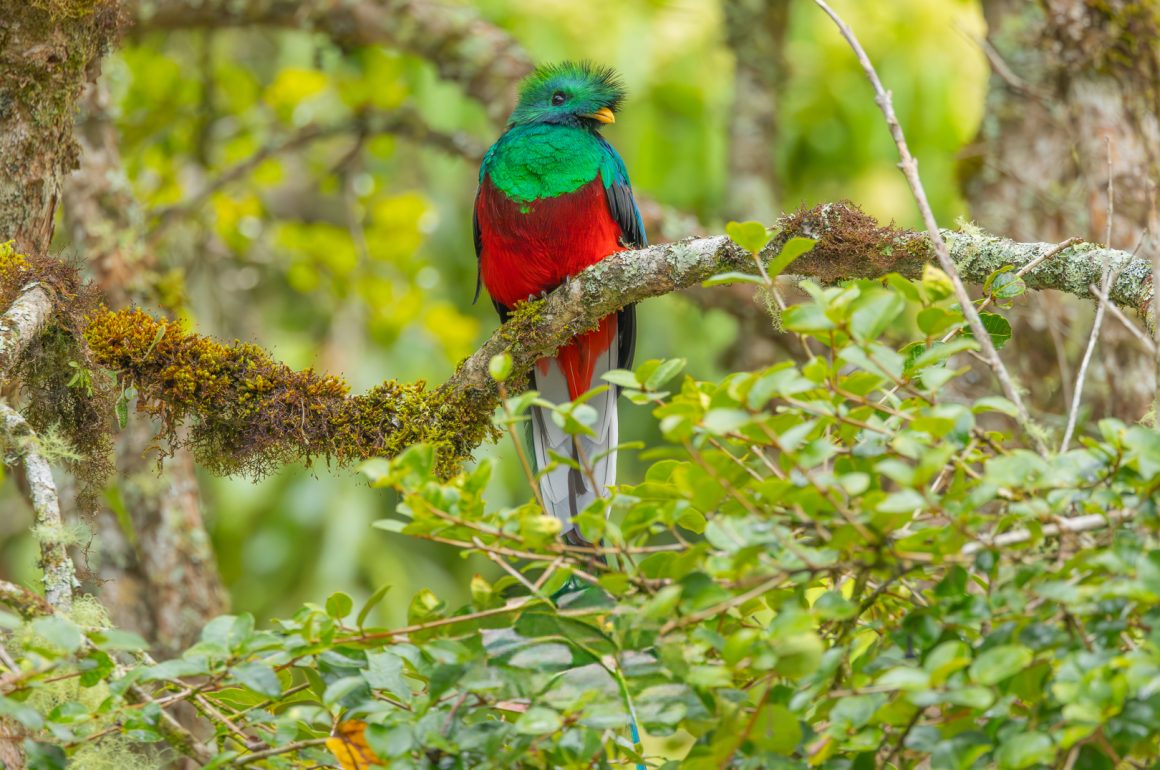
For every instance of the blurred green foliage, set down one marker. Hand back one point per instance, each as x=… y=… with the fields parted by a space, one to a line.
x=354 y=254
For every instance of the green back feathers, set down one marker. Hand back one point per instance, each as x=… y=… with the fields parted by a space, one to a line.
x=552 y=146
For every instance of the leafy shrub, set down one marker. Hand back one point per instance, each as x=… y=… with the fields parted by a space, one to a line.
x=837 y=564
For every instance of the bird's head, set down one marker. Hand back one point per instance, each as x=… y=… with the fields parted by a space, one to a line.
x=569 y=93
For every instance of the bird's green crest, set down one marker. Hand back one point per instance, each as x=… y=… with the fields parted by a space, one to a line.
x=569 y=93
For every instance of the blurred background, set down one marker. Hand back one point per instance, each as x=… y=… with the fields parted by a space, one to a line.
x=291 y=185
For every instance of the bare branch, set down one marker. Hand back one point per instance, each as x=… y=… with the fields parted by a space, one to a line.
x=22 y=323
x=27 y=603
x=59 y=571
x=1085 y=523
x=1109 y=277
x=464 y=48
x=1126 y=322
x=405 y=123
x=910 y=169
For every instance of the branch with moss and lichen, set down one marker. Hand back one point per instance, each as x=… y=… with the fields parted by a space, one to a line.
x=59 y=572
x=251 y=413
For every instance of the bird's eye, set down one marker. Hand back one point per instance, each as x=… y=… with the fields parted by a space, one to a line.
x=558 y=98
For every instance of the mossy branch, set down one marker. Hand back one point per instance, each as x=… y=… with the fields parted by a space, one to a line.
x=250 y=413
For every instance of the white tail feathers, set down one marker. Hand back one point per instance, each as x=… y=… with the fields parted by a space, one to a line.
x=567 y=491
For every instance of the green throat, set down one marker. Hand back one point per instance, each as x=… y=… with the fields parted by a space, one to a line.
x=545 y=161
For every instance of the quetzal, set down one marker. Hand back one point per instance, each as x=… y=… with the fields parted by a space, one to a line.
x=554 y=198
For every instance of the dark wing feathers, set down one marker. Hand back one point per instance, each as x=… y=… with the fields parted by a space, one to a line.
x=624 y=211
x=627 y=215
x=478 y=247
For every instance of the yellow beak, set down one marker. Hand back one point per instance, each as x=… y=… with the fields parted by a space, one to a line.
x=604 y=115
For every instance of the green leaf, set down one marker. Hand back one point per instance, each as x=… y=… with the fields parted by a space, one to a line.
x=1005 y=284
x=385 y=671
x=777 y=730
x=22 y=713
x=995 y=404
x=733 y=277
x=538 y=720
x=874 y=312
x=798 y=655
x=792 y=249
x=341 y=688
x=622 y=378
x=390 y=525
x=386 y=742
x=500 y=366
x=121 y=408
x=904 y=678
x=999 y=663
x=936 y=282
x=371 y=603
x=116 y=639
x=998 y=327
x=1024 y=750
x=339 y=605
x=664 y=371
x=259 y=677
x=59 y=632
x=751 y=236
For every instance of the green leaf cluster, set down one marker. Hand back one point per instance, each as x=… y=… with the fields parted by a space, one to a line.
x=829 y=564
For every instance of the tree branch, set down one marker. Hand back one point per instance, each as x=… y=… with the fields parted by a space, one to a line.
x=22 y=323
x=28 y=604
x=251 y=413
x=405 y=122
x=465 y=49
x=59 y=572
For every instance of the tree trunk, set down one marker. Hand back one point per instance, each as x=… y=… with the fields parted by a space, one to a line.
x=48 y=50
x=755 y=32
x=1070 y=76
x=156 y=568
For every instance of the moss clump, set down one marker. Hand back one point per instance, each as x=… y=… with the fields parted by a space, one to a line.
x=1123 y=39
x=851 y=243
x=66 y=9
x=251 y=414
x=65 y=401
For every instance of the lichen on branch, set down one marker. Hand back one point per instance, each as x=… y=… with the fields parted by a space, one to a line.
x=44 y=302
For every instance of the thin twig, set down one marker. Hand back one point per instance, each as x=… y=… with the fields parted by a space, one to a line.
x=1109 y=279
x=910 y=168
x=502 y=564
x=59 y=572
x=1048 y=255
x=1118 y=314
x=1084 y=523
x=276 y=750
x=28 y=604
x=1154 y=226
x=405 y=123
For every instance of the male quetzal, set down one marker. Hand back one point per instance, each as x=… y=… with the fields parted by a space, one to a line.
x=554 y=198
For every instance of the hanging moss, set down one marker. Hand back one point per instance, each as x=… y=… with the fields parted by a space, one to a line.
x=851 y=243
x=248 y=413
x=64 y=392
